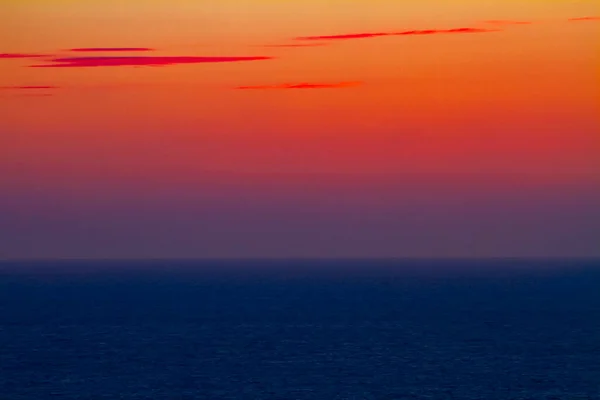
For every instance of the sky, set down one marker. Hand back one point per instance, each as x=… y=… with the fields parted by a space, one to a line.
x=299 y=128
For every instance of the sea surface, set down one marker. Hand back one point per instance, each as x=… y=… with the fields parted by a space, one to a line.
x=300 y=329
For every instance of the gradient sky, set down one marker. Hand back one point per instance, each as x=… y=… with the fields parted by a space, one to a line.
x=299 y=128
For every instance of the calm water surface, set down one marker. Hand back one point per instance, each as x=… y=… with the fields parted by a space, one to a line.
x=511 y=329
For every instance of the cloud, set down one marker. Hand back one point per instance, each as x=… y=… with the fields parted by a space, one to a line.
x=344 y=36
x=303 y=85
x=581 y=19
x=28 y=91
x=36 y=95
x=292 y=45
x=28 y=87
x=507 y=22
x=110 y=49
x=403 y=33
x=81 y=62
x=21 y=55
x=444 y=31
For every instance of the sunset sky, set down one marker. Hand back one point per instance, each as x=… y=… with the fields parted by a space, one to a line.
x=299 y=128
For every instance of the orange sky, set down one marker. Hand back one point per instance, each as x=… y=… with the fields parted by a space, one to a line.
x=503 y=99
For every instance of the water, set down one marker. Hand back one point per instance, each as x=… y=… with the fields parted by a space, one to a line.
x=300 y=330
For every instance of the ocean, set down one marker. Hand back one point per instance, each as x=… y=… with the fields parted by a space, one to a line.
x=300 y=329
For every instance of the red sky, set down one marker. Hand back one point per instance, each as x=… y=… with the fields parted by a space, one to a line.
x=373 y=128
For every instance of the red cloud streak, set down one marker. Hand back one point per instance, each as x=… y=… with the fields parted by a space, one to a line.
x=303 y=85
x=80 y=62
x=109 y=49
x=403 y=33
x=27 y=87
x=345 y=36
x=292 y=45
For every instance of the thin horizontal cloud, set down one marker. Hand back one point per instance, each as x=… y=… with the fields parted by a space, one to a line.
x=28 y=87
x=506 y=22
x=303 y=85
x=345 y=36
x=293 y=45
x=581 y=19
x=36 y=95
x=403 y=33
x=82 y=62
x=110 y=49
x=444 y=31
x=21 y=55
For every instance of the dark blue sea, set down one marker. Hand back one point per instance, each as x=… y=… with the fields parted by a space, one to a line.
x=300 y=329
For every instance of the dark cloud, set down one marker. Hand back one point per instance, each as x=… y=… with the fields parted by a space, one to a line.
x=28 y=87
x=110 y=49
x=302 y=85
x=581 y=19
x=81 y=62
x=367 y=35
x=21 y=55
x=28 y=91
